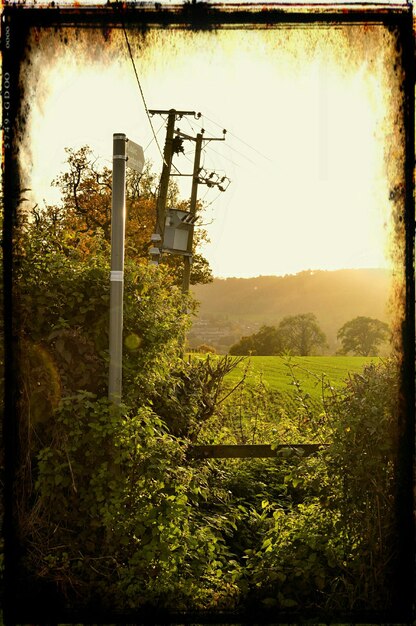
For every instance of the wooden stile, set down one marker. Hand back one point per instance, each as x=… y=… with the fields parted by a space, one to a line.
x=259 y=451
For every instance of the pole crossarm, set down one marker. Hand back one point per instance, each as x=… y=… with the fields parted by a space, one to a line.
x=173 y=145
x=207 y=139
x=214 y=139
x=178 y=114
x=182 y=134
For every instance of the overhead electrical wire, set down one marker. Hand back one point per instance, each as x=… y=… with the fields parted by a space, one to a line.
x=205 y=195
x=239 y=139
x=241 y=154
x=213 y=200
x=193 y=130
x=230 y=147
x=152 y=139
x=189 y=122
x=225 y=157
x=141 y=92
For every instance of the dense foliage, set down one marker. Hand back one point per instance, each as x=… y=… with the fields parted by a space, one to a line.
x=113 y=511
x=123 y=518
x=62 y=301
x=82 y=220
x=116 y=522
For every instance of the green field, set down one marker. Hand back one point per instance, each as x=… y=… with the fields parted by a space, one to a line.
x=276 y=396
x=277 y=372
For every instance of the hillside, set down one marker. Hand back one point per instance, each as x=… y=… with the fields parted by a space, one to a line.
x=233 y=307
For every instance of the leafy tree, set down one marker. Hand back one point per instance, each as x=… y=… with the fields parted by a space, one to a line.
x=266 y=342
x=84 y=216
x=206 y=348
x=296 y=334
x=63 y=305
x=243 y=347
x=362 y=336
x=300 y=334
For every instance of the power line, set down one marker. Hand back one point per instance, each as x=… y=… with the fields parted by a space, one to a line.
x=230 y=147
x=205 y=195
x=212 y=201
x=152 y=140
x=225 y=157
x=141 y=91
x=239 y=139
x=192 y=128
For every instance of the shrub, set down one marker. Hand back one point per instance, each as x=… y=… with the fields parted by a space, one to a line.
x=333 y=546
x=362 y=456
x=113 y=521
x=205 y=348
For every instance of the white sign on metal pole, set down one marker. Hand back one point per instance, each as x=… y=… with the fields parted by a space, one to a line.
x=135 y=156
x=125 y=152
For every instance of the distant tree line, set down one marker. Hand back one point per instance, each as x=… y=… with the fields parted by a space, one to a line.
x=301 y=335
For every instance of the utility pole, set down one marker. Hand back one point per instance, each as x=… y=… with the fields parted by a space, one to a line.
x=164 y=179
x=167 y=165
x=199 y=176
x=187 y=260
x=197 y=179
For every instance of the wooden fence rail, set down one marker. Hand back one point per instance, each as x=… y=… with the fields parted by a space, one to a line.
x=250 y=451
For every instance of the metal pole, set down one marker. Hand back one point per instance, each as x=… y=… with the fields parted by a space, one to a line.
x=118 y=218
x=187 y=260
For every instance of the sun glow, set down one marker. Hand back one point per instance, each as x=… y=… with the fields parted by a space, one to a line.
x=310 y=120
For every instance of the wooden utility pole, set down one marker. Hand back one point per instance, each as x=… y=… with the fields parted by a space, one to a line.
x=187 y=260
x=161 y=212
x=197 y=179
x=164 y=179
x=167 y=165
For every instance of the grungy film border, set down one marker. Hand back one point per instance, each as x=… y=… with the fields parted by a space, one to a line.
x=16 y=23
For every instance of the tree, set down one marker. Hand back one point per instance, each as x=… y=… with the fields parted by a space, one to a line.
x=265 y=342
x=296 y=334
x=206 y=349
x=300 y=334
x=243 y=347
x=362 y=336
x=84 y=216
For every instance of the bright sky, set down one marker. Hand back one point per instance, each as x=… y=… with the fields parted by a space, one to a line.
x=311 y=147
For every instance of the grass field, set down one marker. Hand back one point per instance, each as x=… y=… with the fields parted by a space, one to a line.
x=277 y=372
x=268 y=406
